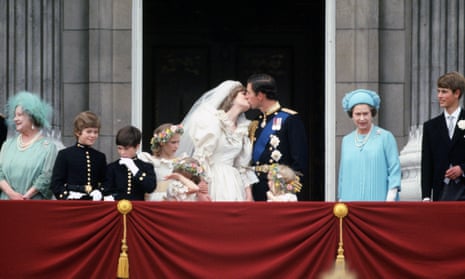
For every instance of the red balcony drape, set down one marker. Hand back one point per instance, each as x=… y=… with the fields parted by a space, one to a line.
x=82 y=239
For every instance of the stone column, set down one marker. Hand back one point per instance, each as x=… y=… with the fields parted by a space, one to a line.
x=97 y=66
x=110 y=68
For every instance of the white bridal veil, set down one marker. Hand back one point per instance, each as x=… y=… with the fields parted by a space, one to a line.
x=206 y=105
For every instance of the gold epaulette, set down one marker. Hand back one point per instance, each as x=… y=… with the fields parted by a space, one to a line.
x=290 y=111
x=252 y=128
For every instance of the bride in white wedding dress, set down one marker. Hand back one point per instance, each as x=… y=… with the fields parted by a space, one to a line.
x=216 y=134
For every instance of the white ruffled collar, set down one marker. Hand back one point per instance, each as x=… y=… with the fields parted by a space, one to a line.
x=228 y=126
x=156 y=161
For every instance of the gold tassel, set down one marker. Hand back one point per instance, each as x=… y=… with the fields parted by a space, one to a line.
x=123 y=262
x=124 y=207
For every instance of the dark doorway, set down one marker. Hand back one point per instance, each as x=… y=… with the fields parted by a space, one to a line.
x=192 y=46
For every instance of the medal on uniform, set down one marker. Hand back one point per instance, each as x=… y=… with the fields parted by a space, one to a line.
x=276 y=124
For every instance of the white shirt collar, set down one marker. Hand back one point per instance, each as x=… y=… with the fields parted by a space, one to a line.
x=455 y=114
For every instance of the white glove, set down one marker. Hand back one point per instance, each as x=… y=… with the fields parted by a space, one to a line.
x=392 y=194
x=75 y=195
x=96 y=195
x=129 y=163
x=109 y=198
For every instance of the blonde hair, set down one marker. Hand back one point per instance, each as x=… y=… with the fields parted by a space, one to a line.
x=163 y=134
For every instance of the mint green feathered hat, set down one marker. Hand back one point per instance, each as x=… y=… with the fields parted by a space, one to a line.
x=31 y=103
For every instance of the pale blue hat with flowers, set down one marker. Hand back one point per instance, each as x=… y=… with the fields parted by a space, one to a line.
x=360 y=96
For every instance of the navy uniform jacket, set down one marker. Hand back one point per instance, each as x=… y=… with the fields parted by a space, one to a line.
x=292 y=146
x=438 y=152
x=77 y=166
x=123 y=185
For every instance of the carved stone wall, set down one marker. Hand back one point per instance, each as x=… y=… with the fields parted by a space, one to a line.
x=437 y=46
x=30 y=51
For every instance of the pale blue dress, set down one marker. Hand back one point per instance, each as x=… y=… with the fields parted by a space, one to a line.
x=33 y=166
x=366 y=173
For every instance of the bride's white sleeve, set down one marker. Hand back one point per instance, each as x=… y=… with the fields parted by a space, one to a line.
x=242 y=163
x=205 y=133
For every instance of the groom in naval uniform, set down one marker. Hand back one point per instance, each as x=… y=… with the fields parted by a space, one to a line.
x=278 y=134
x=443 y=144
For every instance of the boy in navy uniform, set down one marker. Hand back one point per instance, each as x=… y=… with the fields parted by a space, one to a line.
x=79 y=170
x=129 y=177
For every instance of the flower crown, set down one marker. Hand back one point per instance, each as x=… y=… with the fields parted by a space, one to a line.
x=190 y=167
x=165 y=135
x=279 y=182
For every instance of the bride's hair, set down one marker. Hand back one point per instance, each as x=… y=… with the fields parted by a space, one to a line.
x=229 y=100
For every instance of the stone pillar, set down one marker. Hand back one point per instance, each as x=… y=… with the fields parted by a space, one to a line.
x=75 y=47
x=110 y=68
x=97 y=66
x=30 y=53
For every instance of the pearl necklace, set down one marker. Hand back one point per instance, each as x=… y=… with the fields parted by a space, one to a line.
x=361 y=142
x=23 y=146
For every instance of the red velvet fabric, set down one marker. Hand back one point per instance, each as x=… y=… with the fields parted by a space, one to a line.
x=57 y=239
x=231 y=240
x=82 y=239
x=406 y=239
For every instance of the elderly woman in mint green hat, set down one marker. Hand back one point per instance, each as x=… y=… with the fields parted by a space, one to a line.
x=27 y=158
x=369 y=169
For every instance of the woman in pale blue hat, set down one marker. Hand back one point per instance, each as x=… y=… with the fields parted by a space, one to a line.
x=369 y=168
x=27 y=158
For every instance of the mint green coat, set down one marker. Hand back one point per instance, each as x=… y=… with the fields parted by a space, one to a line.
x=32 y=166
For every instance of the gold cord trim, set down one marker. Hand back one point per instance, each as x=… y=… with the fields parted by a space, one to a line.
x=339 y=270
x=124 y=207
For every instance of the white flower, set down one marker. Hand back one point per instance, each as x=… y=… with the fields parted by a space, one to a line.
x=274 y=141
x=276 y=155
x=461 y=124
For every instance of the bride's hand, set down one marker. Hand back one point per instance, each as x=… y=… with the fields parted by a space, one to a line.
x=248 y=194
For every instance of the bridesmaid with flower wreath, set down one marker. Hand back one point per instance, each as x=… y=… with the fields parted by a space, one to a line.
x=164 y=144
x=284 y=183
x=187 y=181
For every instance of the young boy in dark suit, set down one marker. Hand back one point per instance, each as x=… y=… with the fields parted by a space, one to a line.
x=129 y=177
